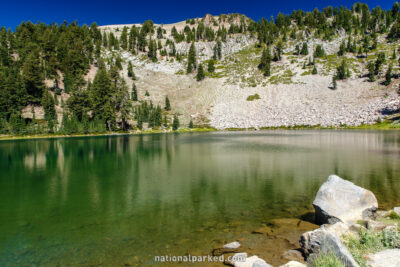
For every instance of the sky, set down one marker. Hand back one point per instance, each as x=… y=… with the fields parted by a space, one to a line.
x=106 y=12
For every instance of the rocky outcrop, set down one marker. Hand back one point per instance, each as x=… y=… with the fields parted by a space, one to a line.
x=385 y=258
x=323 y=241
x=341 y=200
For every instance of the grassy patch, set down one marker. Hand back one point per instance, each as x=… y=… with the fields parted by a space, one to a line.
x=253 y=97
x=385 y=125
x=371 y=242
x=326 y=260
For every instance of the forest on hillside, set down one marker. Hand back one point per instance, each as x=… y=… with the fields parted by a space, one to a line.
x=47 y=65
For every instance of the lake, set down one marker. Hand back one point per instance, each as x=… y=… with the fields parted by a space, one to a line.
x=121 y=200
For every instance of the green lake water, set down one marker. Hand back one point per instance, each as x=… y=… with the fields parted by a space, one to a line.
x=111 y=201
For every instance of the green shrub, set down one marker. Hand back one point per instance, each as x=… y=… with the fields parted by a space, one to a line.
x=394 y=216
x=253 y=97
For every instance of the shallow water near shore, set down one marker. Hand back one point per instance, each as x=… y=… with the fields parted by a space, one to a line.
x=121 y=200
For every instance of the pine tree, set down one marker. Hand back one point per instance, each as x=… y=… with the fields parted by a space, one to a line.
x=134 y=95
x=139 y=121
x=342 y=49
x=33 y=76
x=175 y=123
x=165 y=121
x=319 y=51
x=314 y=71
x=200 y=73
x=16 y=123
x=167 y=104
x=130 y=70
x=279 y=48
x=334 y=83
x=191 y=59
x=304 y=50
x=342 y=71
x=100 y=93
x=49 y=108
x=371 y=70
x=381 y=59
x=388 y=76
x=147 y=93
x=211 y=67
x=191 y=124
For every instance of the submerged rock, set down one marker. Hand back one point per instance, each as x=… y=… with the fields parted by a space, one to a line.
x=386 y=258
x=232 y=245
x=293 y=255
x=341 y=200
x=227 y=248
x=323 y=241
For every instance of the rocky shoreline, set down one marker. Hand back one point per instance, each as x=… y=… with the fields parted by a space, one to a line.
x=350 y=231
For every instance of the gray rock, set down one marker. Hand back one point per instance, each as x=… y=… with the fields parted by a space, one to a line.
x=341 y=200
x=323 y=241
x=385 y=258
x=397 y=210
x=232 y=245
x=294 y=264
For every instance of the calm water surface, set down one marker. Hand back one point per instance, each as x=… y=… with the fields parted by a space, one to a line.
x=121 y=200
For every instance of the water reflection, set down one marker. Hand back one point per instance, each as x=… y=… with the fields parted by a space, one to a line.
x=91 y=195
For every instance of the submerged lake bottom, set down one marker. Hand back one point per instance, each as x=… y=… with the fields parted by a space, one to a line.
x=122 y=200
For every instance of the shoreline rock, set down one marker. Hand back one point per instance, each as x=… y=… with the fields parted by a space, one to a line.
x=339 y=200
x=323 y=241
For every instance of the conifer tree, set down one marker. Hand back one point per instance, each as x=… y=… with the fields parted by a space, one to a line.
x=165 y=121
x=130 y=69
x=175 y=123
x=200 y=73
x=319 y=51
x=191 y=124
x=388 y=76
x=17 y=124
x=191 y=59
x=304 y=49
x=211 y=67
x=167 y=104
x=33 y=76
x=371 y=71
x=49 y=109
x=134 y=95
x=334 y=83
x=314 y=71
